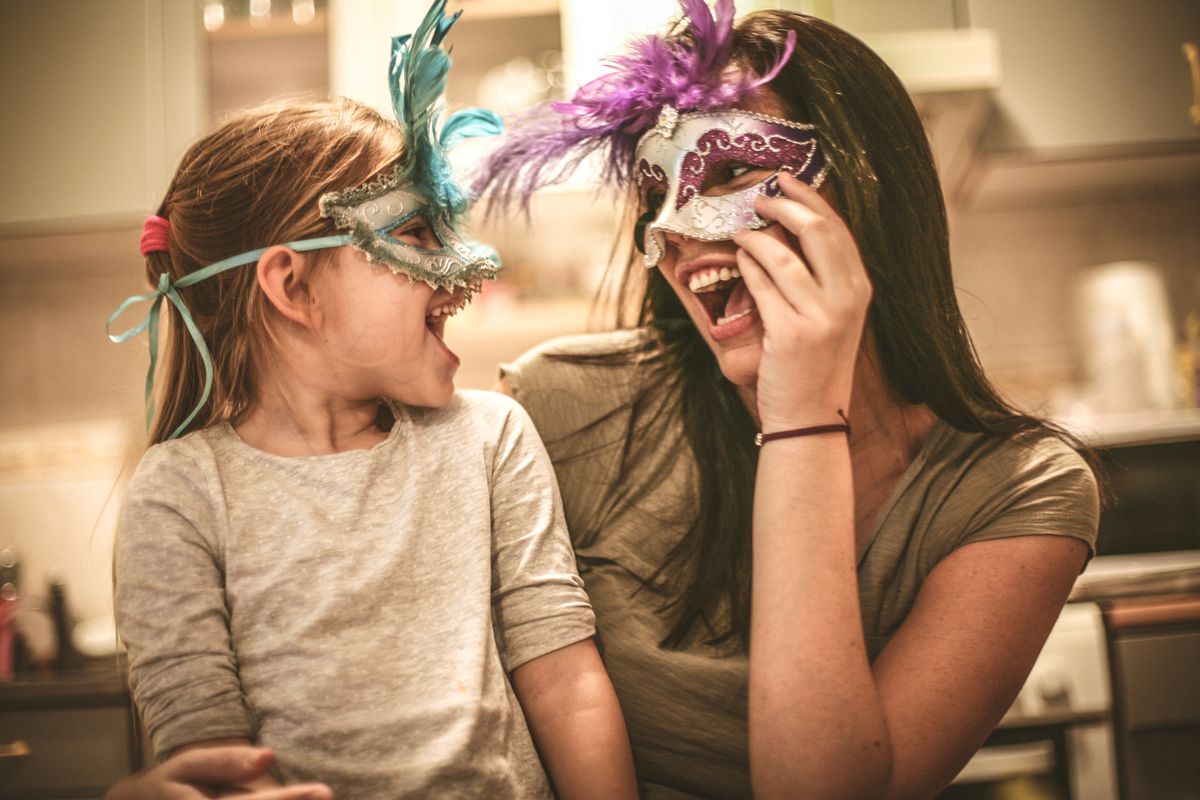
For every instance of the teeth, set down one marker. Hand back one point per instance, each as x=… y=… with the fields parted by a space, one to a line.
x=702 y=280
x=732 y=317
x=446 y=310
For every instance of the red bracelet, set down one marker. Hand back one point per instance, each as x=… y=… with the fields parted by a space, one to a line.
x=843 y=427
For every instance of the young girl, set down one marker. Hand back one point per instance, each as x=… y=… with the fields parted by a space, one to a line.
x=328 y=551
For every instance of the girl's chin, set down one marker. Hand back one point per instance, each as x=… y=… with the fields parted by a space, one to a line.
x=433 y=395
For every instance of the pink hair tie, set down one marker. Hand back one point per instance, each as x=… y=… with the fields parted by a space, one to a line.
x=155 y=235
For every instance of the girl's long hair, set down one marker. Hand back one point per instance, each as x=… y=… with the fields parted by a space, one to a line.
x=253 y=182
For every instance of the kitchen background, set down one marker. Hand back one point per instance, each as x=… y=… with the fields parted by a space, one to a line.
x=1066 y=133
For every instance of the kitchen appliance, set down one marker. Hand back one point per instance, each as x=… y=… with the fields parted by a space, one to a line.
x=1057 y=741
x=1154 y=483
x=1154 y=650
x=1146 y=579
x=1111 y=708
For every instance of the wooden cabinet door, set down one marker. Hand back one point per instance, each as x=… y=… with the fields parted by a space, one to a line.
x=100 y=100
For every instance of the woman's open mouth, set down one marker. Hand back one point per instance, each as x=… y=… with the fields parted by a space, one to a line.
x=725 y=299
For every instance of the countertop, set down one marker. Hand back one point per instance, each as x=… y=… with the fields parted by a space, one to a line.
x=96 y=682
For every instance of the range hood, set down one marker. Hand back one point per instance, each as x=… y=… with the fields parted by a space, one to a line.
x=1093 y=104
x=951 y=74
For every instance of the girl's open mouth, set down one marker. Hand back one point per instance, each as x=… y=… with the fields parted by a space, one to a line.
x=435 y=318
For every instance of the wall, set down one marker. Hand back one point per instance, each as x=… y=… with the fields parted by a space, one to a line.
x=1017 y=270
x=71 y=420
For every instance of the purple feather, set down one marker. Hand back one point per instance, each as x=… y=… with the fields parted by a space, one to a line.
x=609 y=114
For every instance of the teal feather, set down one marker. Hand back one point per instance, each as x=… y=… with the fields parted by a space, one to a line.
x=443 y=25
x=468 y=123
x=418 y=72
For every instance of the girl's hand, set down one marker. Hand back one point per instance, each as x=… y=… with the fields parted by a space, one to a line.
x=812 y=293
x=212 y=772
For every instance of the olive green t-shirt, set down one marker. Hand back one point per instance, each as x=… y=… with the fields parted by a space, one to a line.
x=628 y=488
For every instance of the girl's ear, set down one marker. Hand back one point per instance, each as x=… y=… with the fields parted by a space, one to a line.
x=282 y=276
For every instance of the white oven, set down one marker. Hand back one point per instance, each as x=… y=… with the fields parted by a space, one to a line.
x=1111 y=708
x=1057 y=741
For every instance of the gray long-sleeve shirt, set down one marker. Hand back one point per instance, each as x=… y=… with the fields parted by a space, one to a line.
x=358 y=612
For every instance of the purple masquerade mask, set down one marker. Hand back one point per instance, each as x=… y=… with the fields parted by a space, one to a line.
x=689 y=166
x=609 y=115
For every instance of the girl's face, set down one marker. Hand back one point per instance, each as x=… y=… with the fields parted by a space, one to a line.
x=381 y=332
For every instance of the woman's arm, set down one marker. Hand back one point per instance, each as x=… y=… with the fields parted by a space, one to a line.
x=956 y=664
x=253 y=783
x=212 y=772
x=817 y=721
x=576 y=723
x=823 y=722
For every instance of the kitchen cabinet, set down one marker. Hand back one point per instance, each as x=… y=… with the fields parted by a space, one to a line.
x=876 y=16
x=101 y=99
x=1090 y=73
x=490 y=35
x=1093 y=103
x=1155 y=644
x=66 y=736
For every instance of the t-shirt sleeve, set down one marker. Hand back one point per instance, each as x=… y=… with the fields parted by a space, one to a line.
x=170 y=606
x=538 y=598
x=1040 y=489
x=580 y=391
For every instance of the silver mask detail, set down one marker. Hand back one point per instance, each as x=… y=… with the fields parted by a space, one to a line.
x=372 y=211
x=674 y=157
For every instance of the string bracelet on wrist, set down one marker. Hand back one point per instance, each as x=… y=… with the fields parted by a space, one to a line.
x=814 y=430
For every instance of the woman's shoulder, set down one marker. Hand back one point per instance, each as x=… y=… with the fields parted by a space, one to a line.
x=616 y=349
x=999 y=486
x=1033 y=457
x=570 y=383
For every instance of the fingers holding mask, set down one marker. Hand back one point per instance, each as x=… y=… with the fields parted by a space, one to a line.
x=772 y=304
x=773 y=270
x=826 y=244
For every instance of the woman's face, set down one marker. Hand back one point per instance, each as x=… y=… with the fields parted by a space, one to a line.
x=382 y=332
x=704 y=274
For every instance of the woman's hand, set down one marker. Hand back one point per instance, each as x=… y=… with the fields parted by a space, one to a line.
x=812 y=293
x=212 y=772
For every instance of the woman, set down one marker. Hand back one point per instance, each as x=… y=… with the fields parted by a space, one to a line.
x=845 y=611
x=841 y=613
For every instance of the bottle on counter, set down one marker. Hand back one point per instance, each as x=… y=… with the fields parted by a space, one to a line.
x=66 y=656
